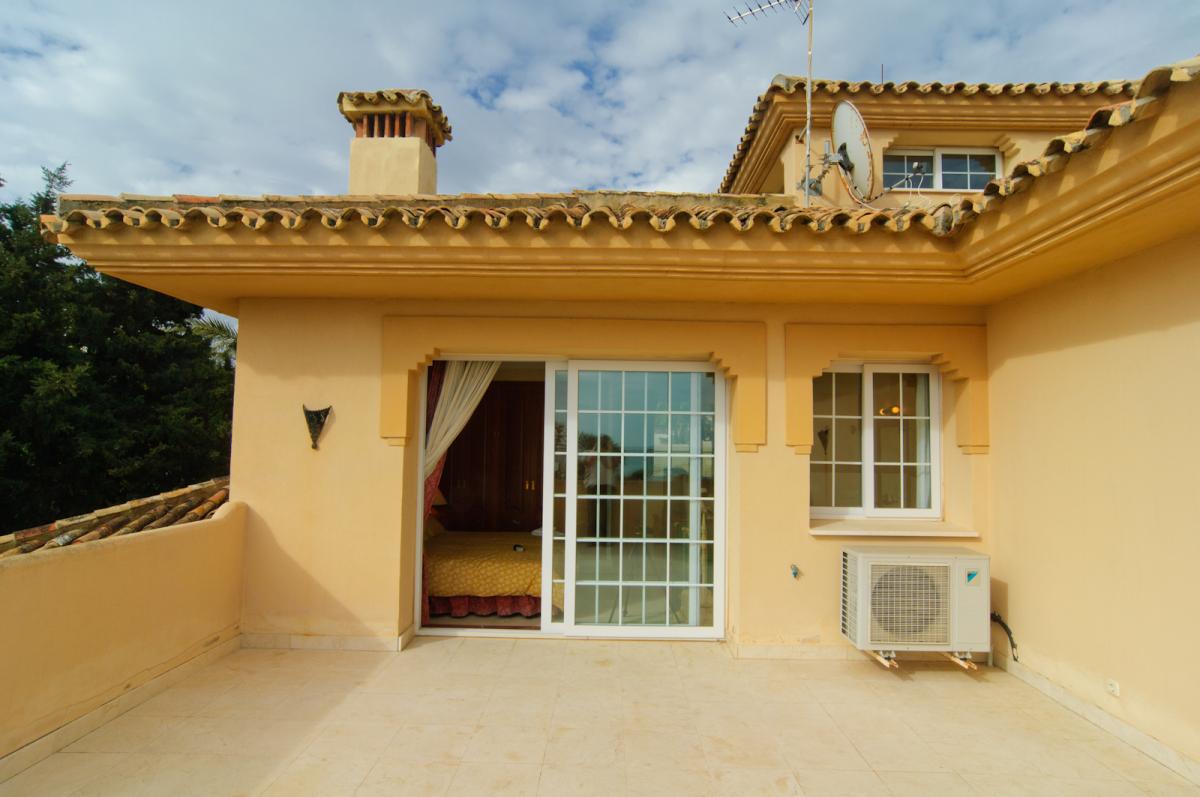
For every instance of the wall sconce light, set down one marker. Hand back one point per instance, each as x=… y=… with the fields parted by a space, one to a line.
x=316 y=422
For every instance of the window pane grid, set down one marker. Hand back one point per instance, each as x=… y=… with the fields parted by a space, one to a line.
x=645 y=491
x=900 y=460
x=898 y=172
x=837 y=438
x=948 y=169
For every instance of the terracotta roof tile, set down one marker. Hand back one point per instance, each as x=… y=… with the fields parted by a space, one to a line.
x=790 y=84
x=354 y=104
x=622 y=210
x=172 y=508
x=662 y=212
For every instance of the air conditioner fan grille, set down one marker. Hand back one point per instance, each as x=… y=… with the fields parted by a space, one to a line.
x=910 y=604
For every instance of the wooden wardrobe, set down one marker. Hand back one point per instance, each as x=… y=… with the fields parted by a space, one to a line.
x=493 y=475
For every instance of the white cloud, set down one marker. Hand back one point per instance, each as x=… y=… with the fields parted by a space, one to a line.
x=239 y=97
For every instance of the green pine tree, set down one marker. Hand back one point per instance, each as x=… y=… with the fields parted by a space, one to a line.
x=106 y=392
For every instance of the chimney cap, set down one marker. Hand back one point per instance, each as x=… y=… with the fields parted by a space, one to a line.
x=354 y=105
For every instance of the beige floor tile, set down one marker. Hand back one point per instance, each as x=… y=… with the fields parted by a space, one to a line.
x=1158 y=788
x=820 y=748
x=181 y=700
x=128 y=733
x=597 y=746
x=900 y=754
x=236 y=736
x=754 y=782
x=652 y=686
x=506 y=745
x=337 y=775
x=840 y=783
x=149 y=775
x=445 y=744
x=676 y=749
x=534 y=710
x=744 y=750
x=659 y=713
x=652 y=718
x=581 y=781
x=655 y=781
x=409 y=779
x=342 y=737
x=376 y=707
x=1132 y=764
x=247 y=701
x=431 y=709
x=63 y=774
x=1040 y=786
x=310 y=706
x=577 y=710
x=924 y=784
x=983 y=758
x=495 y=780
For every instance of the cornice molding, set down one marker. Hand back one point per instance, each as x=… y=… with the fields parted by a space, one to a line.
x=739 y=349
x=959 y=351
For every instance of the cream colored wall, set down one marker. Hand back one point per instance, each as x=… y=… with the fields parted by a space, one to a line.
x=392 y=166
x=323 y=546
x=82 y=625
x=1095 y=515
x=330 y=533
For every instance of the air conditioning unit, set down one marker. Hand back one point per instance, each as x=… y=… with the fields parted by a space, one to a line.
x=902 y=598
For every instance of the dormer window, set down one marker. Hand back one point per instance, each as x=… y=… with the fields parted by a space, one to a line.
x=939 y=169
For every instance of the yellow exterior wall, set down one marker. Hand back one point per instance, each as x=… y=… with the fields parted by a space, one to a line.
x=392 y=167
x=331 y=533
x=82 y=625
x=1096 y=521
x=323 y=532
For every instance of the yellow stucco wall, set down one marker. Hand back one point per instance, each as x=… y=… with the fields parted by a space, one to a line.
x=392 y=166
x=82 y=625
x=1096 y=519
x=331 y=533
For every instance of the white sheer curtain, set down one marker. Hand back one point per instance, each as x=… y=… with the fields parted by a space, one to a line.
x=462 y=389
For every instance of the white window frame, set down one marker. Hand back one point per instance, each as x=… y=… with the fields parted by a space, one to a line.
x=937 y=153
x=720 y=433
x=867 y=369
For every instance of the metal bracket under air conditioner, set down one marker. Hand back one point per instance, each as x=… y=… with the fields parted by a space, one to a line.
x=961 y=659
x=885 y=657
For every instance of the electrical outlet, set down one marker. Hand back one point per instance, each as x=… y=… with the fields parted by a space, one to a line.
x=1113 y=687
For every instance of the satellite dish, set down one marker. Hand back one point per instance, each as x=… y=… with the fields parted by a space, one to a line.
x=852 y=148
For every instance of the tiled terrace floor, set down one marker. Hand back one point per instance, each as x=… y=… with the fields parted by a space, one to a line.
x=492 y=716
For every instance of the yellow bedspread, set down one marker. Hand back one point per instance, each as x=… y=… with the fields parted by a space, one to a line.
x=483 y=563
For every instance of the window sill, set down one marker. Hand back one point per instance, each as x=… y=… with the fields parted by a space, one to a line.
x=886 y=527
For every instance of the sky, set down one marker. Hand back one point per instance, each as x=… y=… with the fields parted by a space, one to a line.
x=239 y=97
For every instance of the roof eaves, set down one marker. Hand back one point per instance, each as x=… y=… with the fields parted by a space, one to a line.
x=789 y=84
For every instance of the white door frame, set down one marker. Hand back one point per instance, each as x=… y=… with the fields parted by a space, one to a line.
x=568 y=627
x=717 y=631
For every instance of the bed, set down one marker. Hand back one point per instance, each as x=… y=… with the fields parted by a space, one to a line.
x=478 y=572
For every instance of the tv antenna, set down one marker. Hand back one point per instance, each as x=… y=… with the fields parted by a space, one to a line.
x=803 y=9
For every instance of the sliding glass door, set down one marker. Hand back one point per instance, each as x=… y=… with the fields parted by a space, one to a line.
x=636 y=509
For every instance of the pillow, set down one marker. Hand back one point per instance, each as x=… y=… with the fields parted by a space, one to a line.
x=433 y=527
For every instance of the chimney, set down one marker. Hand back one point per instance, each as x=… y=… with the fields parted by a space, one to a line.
x=396 y=136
